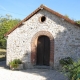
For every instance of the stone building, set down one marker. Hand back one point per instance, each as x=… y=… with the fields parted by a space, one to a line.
x=43 y=38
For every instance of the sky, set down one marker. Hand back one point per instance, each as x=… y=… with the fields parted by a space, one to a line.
x=22 y=8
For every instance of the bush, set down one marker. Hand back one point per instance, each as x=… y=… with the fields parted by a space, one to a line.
x=15 y=63
x=66 y=61
x=74 y=71
x=73 y=68
x=3 y=43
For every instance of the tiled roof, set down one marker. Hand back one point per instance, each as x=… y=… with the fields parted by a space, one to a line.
x=37 y=10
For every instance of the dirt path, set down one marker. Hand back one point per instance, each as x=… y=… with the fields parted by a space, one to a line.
x=30 y=74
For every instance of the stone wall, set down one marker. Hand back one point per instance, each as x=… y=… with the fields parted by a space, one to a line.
x=66 y=38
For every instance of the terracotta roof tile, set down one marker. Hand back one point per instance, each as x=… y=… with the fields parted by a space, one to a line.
x=37 y=10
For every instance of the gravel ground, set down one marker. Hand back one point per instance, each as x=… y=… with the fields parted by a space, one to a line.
x=30 y=74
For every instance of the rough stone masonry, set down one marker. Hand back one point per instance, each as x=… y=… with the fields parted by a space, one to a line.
x=66 y=39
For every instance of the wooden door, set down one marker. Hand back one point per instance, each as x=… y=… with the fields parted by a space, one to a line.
x=43 y=50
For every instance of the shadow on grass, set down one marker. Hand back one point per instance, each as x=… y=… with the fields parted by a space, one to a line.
x=2 y=59
x=3 y=64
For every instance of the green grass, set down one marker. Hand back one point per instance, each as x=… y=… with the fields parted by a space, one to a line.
x=2 y=50
x=2 y=54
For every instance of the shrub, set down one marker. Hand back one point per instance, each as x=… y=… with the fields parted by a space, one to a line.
x=15 y=63
x=3 y=43
x=66 y=61
x=74 y=71
x=72 y=67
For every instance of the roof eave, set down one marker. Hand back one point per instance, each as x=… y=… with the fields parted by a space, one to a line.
x=38 y=9
x=21 y=23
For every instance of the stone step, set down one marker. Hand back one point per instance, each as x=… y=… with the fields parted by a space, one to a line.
x=41 y=67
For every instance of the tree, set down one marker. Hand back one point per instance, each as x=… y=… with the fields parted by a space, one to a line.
x=66 y=16
x=6 y=23
x=78 y=21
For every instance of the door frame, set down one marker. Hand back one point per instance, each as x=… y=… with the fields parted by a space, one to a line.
x=34 y=47
x=43 y=51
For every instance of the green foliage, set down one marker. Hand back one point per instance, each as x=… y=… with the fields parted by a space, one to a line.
x=15 y=63
x=73 y=68
x=74 y=71
x=3 y=43
x=6 y=23
x=66 y=16
x=78 y=21
x=66 y=61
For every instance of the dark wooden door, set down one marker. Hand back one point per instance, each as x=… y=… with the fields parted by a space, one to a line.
x=43 y=50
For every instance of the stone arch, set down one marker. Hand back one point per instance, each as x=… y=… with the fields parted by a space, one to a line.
x=34 y=48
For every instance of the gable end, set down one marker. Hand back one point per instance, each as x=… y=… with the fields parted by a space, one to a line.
x=37 y=10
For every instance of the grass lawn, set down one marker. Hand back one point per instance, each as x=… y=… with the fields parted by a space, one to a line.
x=2 y=54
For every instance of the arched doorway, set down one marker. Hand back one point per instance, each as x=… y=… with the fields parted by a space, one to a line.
x=34 y=47
x=43 y=51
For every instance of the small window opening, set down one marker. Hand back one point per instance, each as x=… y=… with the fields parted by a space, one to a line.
x=43 y=18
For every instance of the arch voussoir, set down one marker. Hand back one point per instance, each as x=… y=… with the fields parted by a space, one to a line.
x=34 y=47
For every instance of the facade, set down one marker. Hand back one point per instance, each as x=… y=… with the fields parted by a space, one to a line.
x=43 y=38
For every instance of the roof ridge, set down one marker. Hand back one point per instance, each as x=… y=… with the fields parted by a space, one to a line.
x=62 y=16
x=38 y=9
